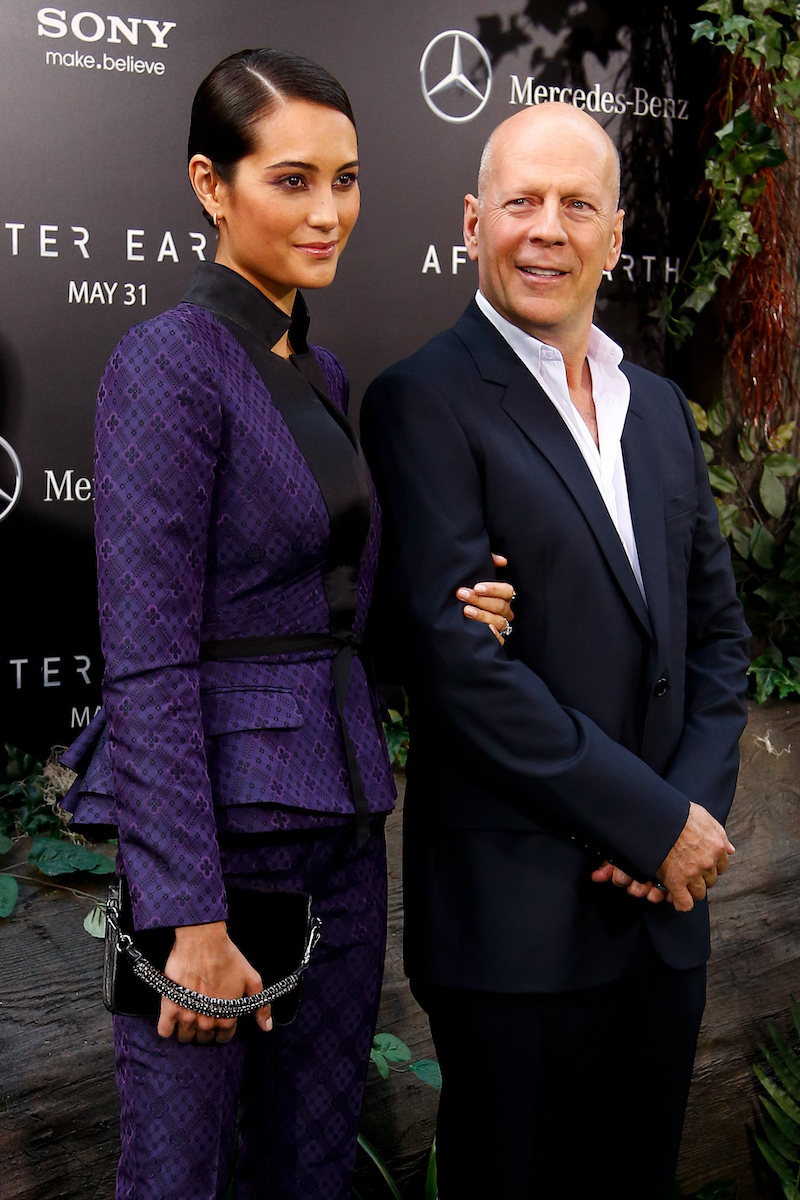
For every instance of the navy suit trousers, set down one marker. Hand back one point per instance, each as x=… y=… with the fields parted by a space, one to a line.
x=570 y=1094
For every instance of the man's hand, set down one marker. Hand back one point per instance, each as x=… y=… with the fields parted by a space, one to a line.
x=697 y=859
x=607 y=872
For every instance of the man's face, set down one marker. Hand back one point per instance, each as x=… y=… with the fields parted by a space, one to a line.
x=546 y=225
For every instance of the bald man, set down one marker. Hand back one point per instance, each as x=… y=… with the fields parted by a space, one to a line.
x=566 y=792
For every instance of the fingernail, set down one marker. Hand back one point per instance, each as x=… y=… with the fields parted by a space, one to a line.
x=481 y=588
x=463 y=593
x=470 y=611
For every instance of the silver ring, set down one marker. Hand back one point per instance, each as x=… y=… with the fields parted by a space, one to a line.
x=509 y=629
x=513 y=595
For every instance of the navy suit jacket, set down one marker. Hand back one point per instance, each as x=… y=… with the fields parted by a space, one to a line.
x=589 y=733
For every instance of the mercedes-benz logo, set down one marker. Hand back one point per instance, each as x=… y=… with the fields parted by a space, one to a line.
x=10 y=478
x=455 y=80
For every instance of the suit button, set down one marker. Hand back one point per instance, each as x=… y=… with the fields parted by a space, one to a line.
x=662 y=686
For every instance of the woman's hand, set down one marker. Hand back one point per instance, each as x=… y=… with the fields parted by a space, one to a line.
x=205 y=959
x=490 y=602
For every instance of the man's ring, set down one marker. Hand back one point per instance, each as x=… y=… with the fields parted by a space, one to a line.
x=509 y=629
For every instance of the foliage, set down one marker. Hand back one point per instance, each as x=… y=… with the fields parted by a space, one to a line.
x=763 y=38
x=780 y=1143
x=29 y=806
x=388 y=1050
x=396 y=730
x=719 y=1189
x=758 y=501
x=389 y=1054
x=29 y=795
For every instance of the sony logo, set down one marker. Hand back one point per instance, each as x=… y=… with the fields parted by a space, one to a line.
x=91 y=27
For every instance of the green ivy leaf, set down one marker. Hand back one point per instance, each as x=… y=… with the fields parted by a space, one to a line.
x=721 y=479
x=722 y=8
x=428 y=1070
x=752 y=191
x=5 y=844
x=391 y=1048
x=740 y=25
x=717 y=419
x=703 y=29
x=762 y=545
x=380 y=1063
x=95 y=922
x=708 y=453
x=103 y=866
x=56 y=857
x=741 y=542
x=727 y=514
x=782 y=435
x=772 y=676
x=700 y=416
x=791 y=59
x=746 y=451
x=784 y=465
x=8 y=895
x=772 y=493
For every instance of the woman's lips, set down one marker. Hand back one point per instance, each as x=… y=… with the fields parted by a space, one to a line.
x=318 y=249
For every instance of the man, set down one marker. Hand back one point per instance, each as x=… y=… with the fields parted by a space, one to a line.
x=565 y=792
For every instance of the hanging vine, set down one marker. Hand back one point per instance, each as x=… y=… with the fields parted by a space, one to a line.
x=749 y=233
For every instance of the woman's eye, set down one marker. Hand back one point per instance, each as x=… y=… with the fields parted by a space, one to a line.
x=293 y=182
x=347 y=179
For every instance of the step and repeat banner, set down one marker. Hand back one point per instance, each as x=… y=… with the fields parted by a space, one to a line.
x=99 y=228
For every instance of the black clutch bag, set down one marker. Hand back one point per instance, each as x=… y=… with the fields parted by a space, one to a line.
x=275 y=931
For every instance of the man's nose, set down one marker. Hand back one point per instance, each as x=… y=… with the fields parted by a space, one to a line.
x=547 y=223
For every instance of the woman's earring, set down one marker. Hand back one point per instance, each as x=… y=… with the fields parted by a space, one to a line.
x=215 y=219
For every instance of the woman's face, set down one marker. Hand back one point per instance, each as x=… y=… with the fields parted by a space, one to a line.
x=286 y=215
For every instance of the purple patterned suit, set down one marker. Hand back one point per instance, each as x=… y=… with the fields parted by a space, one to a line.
x=211 y=526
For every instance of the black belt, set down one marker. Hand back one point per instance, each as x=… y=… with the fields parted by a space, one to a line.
x=344 y=647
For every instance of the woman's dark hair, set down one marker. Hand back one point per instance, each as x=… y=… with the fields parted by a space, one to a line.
x=245 y=87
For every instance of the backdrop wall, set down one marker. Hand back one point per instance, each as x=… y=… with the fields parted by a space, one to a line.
x=99 y=228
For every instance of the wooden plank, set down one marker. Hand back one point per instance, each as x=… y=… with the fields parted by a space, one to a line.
x=755 y=963
x=58 y=1132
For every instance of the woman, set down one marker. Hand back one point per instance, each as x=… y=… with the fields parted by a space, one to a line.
x=237 y=536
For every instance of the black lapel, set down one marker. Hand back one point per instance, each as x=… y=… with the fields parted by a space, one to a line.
x=539 y=420
x=645 y=493
x=297 y=389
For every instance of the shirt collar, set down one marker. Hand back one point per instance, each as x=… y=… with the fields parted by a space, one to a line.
x=229 y=294
x=602 y=350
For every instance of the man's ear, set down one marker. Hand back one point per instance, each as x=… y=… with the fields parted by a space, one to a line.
x=471 y=208
x=616 y=241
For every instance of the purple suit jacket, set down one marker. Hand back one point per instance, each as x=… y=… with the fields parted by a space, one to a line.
x=210 y=525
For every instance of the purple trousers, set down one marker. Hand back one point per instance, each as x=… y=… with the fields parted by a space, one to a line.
x=296 y=1092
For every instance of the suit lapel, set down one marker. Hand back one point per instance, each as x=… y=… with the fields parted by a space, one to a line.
x=645 y=494
x=531 y=409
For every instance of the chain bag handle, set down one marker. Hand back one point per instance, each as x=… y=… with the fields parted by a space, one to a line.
x=207 y=1006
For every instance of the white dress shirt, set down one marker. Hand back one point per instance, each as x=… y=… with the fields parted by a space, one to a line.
x=611 y=393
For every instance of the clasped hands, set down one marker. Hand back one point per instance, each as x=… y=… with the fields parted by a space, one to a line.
x=693 y=865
